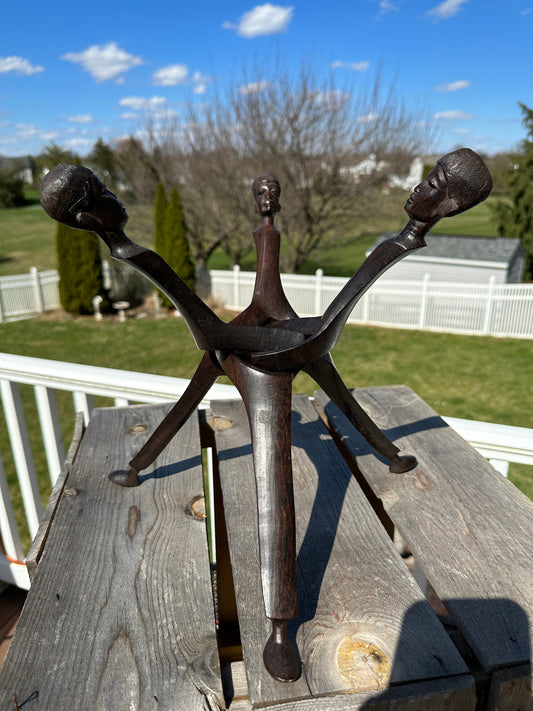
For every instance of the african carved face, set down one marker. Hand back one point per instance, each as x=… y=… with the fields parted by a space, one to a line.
x=98 y=206
x=72 y=194
x=267 y=193
x=431 y=199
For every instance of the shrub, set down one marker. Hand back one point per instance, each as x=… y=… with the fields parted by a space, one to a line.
x=80 y=269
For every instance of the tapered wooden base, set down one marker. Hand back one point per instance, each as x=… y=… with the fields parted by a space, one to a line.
x=280 y=655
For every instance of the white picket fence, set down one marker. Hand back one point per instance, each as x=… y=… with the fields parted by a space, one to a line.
x=498 y=443
x=485 y=309
x=28 y=294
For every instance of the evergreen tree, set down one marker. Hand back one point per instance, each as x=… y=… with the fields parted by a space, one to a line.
x=80 y=269
x=161 y=205
x=515 y=219
x=102 y=160
x=177 y=250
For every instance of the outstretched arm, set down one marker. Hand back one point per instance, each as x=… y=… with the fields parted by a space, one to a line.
x=73 y=195
x=330 y=326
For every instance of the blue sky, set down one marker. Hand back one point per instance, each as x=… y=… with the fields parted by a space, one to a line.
x=72 y=73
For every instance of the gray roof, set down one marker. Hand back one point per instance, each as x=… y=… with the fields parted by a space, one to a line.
x=482 y=249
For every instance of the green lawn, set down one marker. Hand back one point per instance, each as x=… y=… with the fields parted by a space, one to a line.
x=28 y=237
x=470 y=377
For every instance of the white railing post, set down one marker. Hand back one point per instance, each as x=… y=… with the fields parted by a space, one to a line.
x=51 y=429
x=366 y=307
x=489 y=309
x=8 y=523
x=84 y=403
x=318 y=290
x=236 y=285
x=39 y=303
x=424 y=301
x=20 y=444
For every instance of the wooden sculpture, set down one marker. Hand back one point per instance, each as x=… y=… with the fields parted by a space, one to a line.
x=264 y=347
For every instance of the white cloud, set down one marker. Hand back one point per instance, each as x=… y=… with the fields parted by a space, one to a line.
x=368 y=118
x=19 y=65
x=456 y=115
x=104 y=61
x=81 y=118
x=254 y=88
x=75 y=143
x=201 y=82
x=262 y=20
x=386 y=6
x=355 y=66
x=454 y=85
x=446 y=9
x=129 y=115
x=171 y=75
x=139 y=103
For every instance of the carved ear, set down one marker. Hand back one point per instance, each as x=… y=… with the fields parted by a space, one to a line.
x=449 y=207
x=256 y=208
x=87 y=221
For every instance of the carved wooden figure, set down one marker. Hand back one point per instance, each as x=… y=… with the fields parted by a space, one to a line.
x=264 y=347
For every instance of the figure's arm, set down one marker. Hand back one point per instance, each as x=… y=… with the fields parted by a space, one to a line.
x=330 y=326
x=73 y=195
x=203 y=324
x=208 y=331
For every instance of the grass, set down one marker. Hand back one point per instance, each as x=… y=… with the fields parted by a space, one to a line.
x=28 y=237
x=472 y=377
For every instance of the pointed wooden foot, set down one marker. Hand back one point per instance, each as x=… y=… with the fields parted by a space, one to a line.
x=398 y=464
x=125 y=478
x=280 y=655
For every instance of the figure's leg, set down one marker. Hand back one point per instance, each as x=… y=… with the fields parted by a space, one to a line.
x=326 y=375
x=268 y=397
x=205 y=375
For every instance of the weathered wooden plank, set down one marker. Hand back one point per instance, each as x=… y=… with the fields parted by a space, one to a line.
x=469 y=528
x=511 y=690
x=455 y=694
x=37 y=546
x=120 y=613
x=363 y=622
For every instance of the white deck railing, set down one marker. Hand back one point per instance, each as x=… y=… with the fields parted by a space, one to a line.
x=28 y=294
x=501 y=444
x=452 y=307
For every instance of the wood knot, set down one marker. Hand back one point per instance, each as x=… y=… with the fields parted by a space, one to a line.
x=222 y=423
x=421 y=481
x=196 y=508
x=134 y=516
x=363 y=664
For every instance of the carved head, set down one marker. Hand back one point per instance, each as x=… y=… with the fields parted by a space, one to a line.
x=459 y=181
x=266 y=190
x=73 y=195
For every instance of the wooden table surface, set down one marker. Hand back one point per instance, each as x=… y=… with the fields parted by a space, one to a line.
x=121 y=614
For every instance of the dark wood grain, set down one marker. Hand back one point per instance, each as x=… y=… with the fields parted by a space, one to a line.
x=470 y=529
x=120 y=613
x=363 y=623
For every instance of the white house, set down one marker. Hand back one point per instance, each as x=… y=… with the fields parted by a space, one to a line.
x=463 y=259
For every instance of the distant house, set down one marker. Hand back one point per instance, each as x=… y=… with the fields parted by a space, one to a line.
x=22 y=168
x=461 y=259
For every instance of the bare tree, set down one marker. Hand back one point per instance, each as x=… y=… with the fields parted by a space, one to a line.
x=330 y=148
